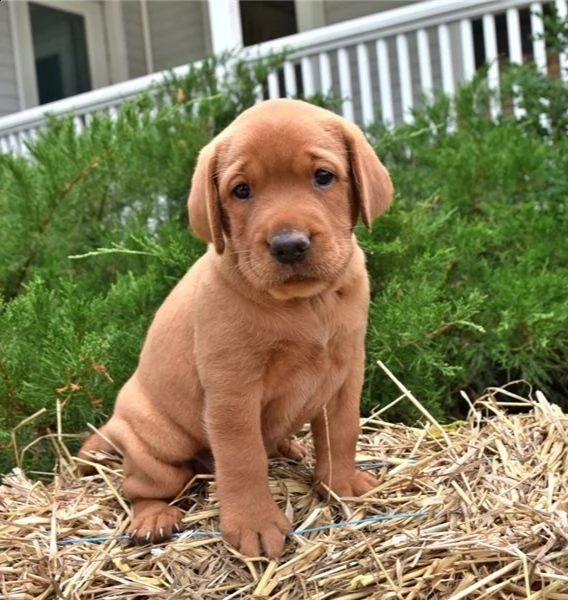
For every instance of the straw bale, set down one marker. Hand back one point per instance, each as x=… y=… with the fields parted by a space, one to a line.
x=476 y=509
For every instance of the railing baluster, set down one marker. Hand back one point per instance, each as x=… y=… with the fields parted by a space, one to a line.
x=537 y=28
x=514 y=36
x=25 y=139
x=424 y=62
x=492 y=60
x=345 y=88
x=14 y=143
x=405 y=75
x=366 y=93
x=562 y=8
x=78 y=124
x=290 y=79
x=383 y=65
x=113 y=112
x=34 y=134
x=308 y=80
x=448 y=83
x=273 y=87
x=467 y=48
x=22 y=137
x=4 y=146
x=515 y=52
x=258 y=93
x=539 y=50
x=325 y=73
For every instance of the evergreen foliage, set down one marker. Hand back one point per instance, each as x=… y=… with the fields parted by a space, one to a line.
x=468 y=269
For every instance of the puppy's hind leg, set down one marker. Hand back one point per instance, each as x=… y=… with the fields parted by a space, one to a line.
x=97 y=442
x=291 y=449
x=150 y=484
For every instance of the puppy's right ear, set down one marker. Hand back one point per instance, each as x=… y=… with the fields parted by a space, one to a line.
x=204 y=203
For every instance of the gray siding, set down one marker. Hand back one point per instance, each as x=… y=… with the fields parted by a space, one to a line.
x=336 y=11
x=134 y=38
x=9 y=101
x=177 y=30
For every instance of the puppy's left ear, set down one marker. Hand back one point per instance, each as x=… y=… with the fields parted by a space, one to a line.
x=372 y=183
x=204 y=203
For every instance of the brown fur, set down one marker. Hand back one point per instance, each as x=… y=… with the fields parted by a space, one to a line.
x=245 y=350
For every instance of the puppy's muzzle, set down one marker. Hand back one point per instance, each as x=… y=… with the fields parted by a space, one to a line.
x=289 y=247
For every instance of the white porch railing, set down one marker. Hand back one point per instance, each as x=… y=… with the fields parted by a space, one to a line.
x=378 y=65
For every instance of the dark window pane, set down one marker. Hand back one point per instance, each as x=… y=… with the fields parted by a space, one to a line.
x=264 y=20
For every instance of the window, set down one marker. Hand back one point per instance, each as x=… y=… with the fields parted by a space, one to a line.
x=66 y=47
x=60 y=53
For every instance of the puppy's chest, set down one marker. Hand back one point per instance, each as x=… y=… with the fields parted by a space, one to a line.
x=297 y=371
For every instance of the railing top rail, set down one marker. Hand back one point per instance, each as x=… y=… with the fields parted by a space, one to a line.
x=80 y=104
x=399 y=20
x=383 y=24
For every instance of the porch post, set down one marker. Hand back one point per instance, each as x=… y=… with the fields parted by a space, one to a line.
x=225 y=25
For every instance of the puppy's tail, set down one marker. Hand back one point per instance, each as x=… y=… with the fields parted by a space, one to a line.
x=97 y=442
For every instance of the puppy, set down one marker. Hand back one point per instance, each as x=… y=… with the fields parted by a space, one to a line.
x=263 y=334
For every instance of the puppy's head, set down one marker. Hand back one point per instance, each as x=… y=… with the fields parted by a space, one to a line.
x=281 y=190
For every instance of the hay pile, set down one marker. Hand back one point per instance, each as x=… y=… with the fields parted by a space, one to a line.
x=474 y=510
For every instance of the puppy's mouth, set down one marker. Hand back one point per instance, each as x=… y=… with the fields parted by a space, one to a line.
x=296 y=275
x=297 y=285
x=299 y=278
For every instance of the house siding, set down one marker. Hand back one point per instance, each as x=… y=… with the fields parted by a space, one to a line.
x=336 y=11
x=134 y=38
x=9 y=100
x=177 y=32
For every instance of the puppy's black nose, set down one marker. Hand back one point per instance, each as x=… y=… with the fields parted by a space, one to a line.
x=289 y=247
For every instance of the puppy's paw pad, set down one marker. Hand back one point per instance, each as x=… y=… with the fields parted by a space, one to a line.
x=154 y=525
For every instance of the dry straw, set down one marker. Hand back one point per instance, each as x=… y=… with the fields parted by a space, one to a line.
x=477 y=510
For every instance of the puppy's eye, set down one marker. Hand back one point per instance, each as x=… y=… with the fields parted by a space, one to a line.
x=323 y=178
x=242 y=191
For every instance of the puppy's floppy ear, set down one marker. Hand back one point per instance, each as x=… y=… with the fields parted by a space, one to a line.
x=372 y=183
x=204 y=202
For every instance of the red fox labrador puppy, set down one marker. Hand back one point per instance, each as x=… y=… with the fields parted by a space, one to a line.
x=264 y=333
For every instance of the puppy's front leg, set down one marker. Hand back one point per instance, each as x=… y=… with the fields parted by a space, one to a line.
x=250 y=519
x=335 y=431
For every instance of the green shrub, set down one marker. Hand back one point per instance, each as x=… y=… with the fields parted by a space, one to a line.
x=468 y=268
x=470 y=283
x=73 y=318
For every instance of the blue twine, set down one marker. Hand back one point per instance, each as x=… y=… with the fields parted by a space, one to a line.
x=200 y=533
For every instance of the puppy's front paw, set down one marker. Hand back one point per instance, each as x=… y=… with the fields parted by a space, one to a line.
x=358 y=484
x=154 y=521
x=255 y=528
